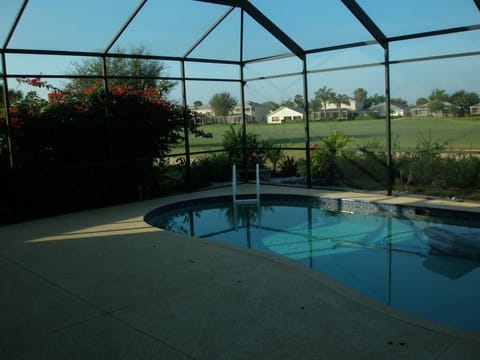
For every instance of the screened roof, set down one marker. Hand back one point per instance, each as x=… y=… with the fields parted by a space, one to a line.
x=181 y=28
x=212 y=37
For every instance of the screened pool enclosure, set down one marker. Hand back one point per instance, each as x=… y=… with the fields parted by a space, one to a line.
x=111 y=101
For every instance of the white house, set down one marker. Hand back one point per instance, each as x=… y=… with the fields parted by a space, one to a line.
x=424 y=110
x=381 y=111
x=353 y=105
x=475 y=109
x=254 y=112
x=285 y=113
x=347 y=111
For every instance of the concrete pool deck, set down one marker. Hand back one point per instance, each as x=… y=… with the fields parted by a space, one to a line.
x=103 y=284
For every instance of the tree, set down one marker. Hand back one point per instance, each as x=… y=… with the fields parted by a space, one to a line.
x=464 y=100
x=222 y=103
x=325 y=96
x=421 y=101
x=339 y=100
x=288 y=103
x=436 y=100
x=143 y=72
x=399 y=102
x=197 y=104
x=360 y=94
x=438 y=94
x=13 y=95
x=271 y=105
x=374 y=100
x=299 y=101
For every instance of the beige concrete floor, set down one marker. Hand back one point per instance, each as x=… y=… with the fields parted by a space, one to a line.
x=103 y=284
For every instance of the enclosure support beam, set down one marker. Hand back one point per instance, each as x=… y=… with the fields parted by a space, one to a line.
x=188 y=172
x=477 y=2
x=125 y=26
x=388 y=121
x=7 y=112
x=265 y=22
x=5 y=84
x=15 y=24
x=307 y=123
x=366 y=21
x=108 y=124
x=208 y=32
x=242 y=99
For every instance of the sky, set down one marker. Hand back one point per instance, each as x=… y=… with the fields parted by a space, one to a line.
x=171 y=27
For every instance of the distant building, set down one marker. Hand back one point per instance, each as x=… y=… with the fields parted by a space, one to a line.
x=254 y=112
x=475 y=109
x=381 y=110
x=346 y=111
x=424 y=110
x=285 y=113
x=353 y=106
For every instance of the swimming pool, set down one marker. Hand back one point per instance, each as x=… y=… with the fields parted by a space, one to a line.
x=426 y=266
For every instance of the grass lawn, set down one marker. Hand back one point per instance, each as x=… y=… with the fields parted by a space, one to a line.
x=461 y=133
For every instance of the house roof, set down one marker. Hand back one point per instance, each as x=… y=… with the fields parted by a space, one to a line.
x=292 y=108
x=382 y=106
x=425 y=106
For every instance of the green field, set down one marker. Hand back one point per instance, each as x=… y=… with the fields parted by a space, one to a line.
x=460 y=133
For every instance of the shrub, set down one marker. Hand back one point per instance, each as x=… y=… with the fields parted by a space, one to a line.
x=82 y=142
x=210 y=168
x=272 y=153
x=323 y=159
x=254 y=153
x=289 y=166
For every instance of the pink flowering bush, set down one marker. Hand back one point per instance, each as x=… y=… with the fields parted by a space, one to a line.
x=92 y=125
x=93 y=142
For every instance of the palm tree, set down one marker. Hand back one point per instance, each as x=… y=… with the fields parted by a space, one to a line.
x=325 y=95
x=360 y=94
x=339 y=100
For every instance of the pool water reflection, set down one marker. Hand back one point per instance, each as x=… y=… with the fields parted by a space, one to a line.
x=425 y=266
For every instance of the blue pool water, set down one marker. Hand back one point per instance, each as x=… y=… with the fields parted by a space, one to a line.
x=425 y=266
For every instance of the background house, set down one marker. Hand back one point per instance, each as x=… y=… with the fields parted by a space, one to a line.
x=353 y=105
x=381 y=110
x=424 y=110
x=254 y=113
x=285 y=113
x=347 y=111
x=475 y=109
